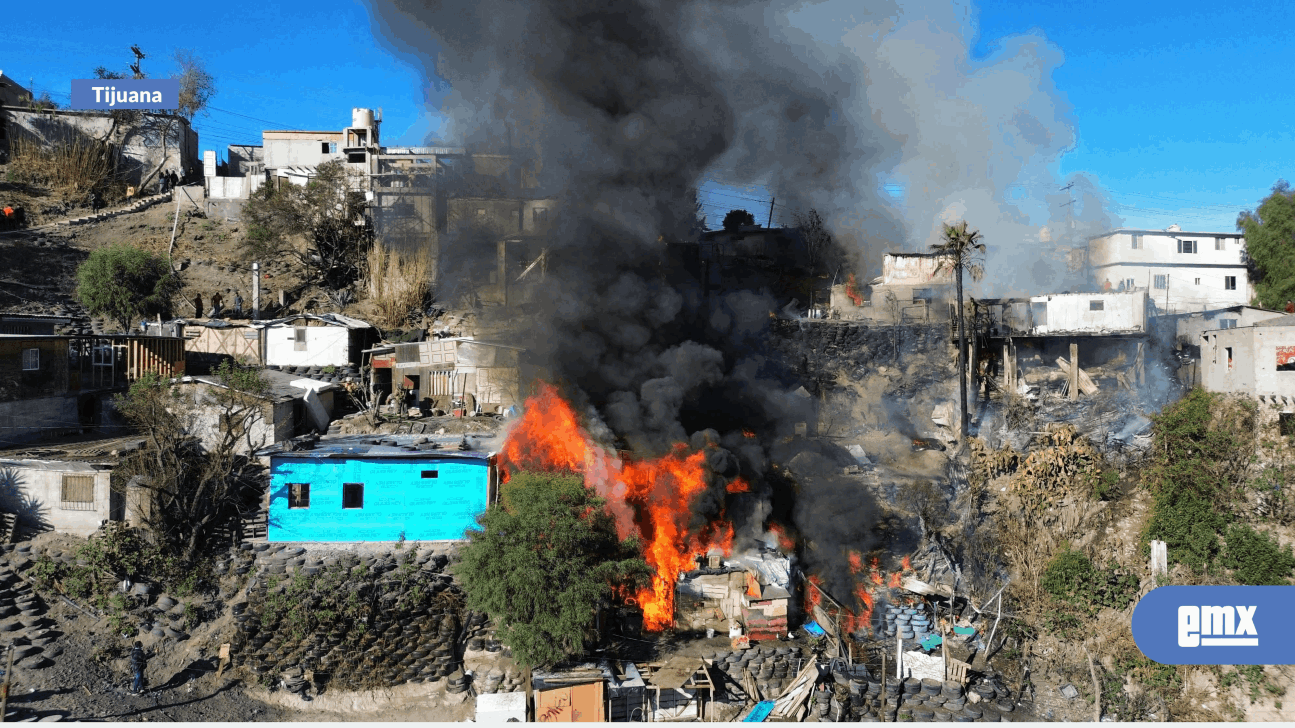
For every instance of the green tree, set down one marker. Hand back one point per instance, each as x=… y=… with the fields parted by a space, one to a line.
x=542 y=560
x=737 y=218
x=123 y=283
x=327 y=214
x=960 y=251
x=1270 y=245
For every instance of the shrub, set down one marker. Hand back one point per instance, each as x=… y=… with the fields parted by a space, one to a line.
x=1202 y=446
x=1255 y=558
x=1073 y=579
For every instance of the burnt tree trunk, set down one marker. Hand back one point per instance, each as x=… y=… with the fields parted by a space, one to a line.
x=962 y=360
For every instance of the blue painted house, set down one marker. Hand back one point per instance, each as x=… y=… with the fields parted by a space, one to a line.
x=349 y=490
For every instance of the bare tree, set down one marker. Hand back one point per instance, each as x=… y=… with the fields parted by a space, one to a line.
x=818 y=241
x=960 y=251
x=195 y=484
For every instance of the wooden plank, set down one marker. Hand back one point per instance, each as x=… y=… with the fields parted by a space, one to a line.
x=1086 y=384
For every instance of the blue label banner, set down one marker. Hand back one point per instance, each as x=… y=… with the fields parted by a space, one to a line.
x=125 y=93
x=1216 y=625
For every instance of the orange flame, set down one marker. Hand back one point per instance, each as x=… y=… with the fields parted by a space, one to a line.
x=895 y=581
x=785 y=542
x=648 y=498
x=748 y=433
x=906 y=563
x=738 y=485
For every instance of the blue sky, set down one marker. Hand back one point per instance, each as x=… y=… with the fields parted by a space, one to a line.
x=1182 y=108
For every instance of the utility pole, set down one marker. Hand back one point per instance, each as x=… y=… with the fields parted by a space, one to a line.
x=770 y=223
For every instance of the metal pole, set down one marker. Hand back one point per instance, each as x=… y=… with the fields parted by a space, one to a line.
x=770 y=223
x=256 y=291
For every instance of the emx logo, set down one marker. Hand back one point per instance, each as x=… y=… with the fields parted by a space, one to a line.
x=1215 y=625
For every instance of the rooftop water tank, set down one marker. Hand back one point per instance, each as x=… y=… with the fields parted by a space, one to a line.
x=361 y=118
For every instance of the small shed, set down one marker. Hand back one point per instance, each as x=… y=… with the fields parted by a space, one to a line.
x=357 y=489
x=309 y=340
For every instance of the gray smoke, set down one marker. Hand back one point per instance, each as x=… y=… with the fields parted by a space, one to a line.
x=624 y=106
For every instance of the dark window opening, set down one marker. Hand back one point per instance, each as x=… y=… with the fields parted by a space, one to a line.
x=540 y=215
x=1228 y=351
x=356 y=158
x=298 y=495
x=352 y=495
x=431 y=474
x=324 y=149
x=1096 y=305
x=1187 y=246
x=1230 y=283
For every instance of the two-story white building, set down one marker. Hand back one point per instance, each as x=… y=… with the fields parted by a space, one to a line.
x=1181 y=271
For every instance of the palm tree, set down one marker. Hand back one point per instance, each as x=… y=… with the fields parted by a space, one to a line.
x=960 y=251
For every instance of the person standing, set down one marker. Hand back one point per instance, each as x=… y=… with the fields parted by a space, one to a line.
x=137 y=664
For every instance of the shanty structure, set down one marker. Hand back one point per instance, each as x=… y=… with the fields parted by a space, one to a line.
x=56 y=383
x=1050 y=329
x=309 y=340
x=453 y=373
x=356 y=489
x=62 y=484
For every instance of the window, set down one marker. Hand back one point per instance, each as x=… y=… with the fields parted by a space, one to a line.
x=1162 y=281
x=1096 y=305
x=357 y=158
x=299 y=338
x=352 y=495
x=1219 y=243
x=1229 y=283
x=1227 y=323
x=298 y=495
x=1198 y=281
x=1228 y=350
x=1129 y=284
x=30 y=360
x=540 y=215
x=332 y=147
x=324 y=147
x=1187 y=246
x=78 y=493
x=431 y=473
x=1137 y=241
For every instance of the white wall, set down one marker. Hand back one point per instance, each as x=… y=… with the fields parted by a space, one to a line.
x=1072 y=312
x=1113 y=258
x=300 y=152
x=40 y=484
x=325 y=346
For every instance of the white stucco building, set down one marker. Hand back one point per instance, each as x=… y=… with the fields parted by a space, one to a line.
x=1181 y=271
